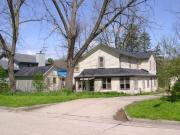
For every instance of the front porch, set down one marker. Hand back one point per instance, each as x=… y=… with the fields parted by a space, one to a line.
x=84 y=84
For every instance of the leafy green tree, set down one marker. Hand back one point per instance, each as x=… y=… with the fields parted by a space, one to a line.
x=135 y=40
x=38 y=82
x=131 y=41
x=175 y=93
x=144 y=42
x=3 y=83
x=50 y=61
x=3 y=73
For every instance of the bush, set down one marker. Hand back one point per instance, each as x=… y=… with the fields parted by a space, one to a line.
x=3 y=83
x=38 y=82
x=175 y=93
x=67 y=91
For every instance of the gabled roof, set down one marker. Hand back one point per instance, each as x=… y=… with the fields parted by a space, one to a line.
x=61 y=64
x=31 y=71
x=118 y=52
x=25 y=58
x=113 y=72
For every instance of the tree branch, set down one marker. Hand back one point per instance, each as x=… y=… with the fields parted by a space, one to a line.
x=61 y=15
x=79 y=3
x=93 y=32
x=3 y=44
x=115 y=16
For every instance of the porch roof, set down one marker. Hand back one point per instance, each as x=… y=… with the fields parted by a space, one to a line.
x=113 y=72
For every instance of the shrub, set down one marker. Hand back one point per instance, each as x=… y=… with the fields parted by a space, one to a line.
x=175 y=93
x=3 y=82
x=67 y=91
x=38 y=82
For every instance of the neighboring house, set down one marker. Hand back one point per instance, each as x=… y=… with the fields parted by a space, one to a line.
x=24 y=60
x=26 y=66
x=24 y=78
x=108 y=69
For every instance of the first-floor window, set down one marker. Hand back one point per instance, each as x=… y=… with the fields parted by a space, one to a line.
x=154 y=82
x=143 y=81
x=106 y=83
x=148 y=83
x=124 y=83
x=136 y=83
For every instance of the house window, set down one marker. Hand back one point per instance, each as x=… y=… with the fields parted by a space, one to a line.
x=136 y=84
x=124 y=83
x=148 y=83
x=137 y=64
x=129 y=60
x=106 y=83
x=54 y=80
x=101 y=62
x=77 y=68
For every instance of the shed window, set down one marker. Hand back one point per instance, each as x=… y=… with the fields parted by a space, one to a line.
x=124 y=83
x=54 y=80
x=48 y=81
x=106 y=83
x=101 y=62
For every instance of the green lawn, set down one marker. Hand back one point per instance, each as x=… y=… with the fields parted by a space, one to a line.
x=20 y=99
x=155 y=109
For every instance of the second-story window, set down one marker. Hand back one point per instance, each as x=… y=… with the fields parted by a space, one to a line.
x=77 y=67
x=101 y=62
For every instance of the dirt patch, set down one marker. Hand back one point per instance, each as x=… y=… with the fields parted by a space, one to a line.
x=120 y=115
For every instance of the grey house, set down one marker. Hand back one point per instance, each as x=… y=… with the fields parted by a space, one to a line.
x=24 y=60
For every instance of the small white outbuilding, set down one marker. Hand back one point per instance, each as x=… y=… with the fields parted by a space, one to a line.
x=24 y=78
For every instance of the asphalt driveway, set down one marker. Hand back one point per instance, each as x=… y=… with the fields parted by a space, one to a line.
x=80 y=117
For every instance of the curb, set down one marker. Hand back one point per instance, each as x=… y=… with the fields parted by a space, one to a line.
x=26 y=108
x=150 y=121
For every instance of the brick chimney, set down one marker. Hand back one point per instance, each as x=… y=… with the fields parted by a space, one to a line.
x=40 y=59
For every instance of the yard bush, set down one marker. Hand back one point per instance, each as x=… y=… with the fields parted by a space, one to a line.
x=3 y=82
x=38 y=82
x=175 y=93
x=67 y=91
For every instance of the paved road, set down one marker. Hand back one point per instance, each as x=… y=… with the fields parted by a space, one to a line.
x=80 y=117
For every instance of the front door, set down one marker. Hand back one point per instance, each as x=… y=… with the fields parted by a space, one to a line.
x=91 y=83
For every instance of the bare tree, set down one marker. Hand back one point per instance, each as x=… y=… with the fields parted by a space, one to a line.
x=10 y=21
x=118 y=32
x=14 y=12
x=68 y=24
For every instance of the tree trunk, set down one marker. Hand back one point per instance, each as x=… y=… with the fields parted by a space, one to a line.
x=11 y=73
x=70 y=70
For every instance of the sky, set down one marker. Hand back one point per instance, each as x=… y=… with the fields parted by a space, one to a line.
x=35 y=36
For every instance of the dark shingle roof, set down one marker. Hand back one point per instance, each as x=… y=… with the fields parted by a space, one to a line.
x=118 y=52
x=113 y=72
x=30 y=71
x=25 y=58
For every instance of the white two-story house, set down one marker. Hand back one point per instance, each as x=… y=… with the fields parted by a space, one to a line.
x=108 y=69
